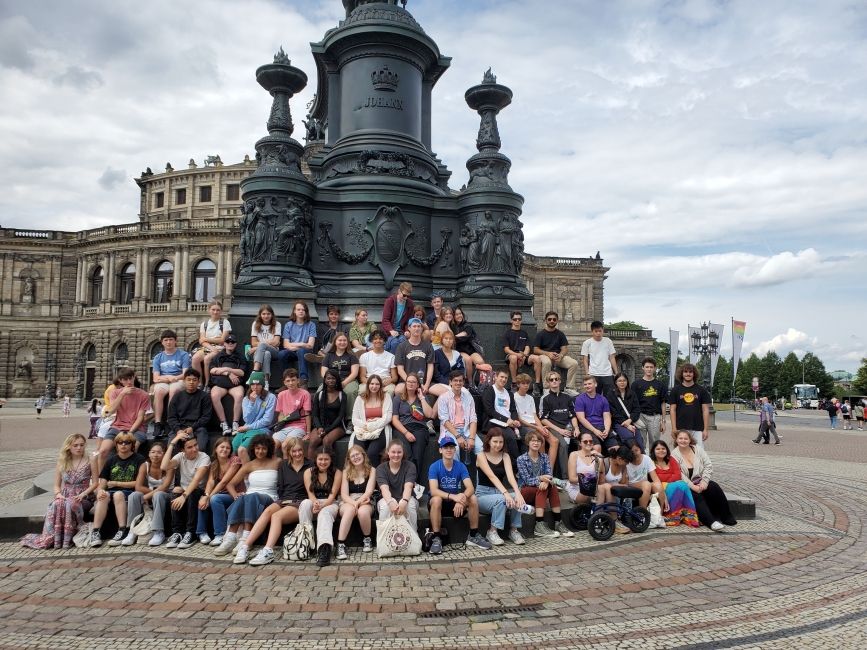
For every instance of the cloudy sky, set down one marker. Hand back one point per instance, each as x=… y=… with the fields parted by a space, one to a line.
x=715 y=152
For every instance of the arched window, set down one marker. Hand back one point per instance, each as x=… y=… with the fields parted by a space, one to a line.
x=126 y=285
x=163 y=281
x=204 y=281
x=96 y=279
x=90 y=352
x=121 y=355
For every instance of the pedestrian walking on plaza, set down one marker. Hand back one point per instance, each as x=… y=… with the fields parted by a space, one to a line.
x=832 y=409
x=94 y=412
x=40 y=404
x=767 y=425
x=66 y=406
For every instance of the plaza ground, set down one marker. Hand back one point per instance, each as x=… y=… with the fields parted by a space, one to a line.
x=795 y=577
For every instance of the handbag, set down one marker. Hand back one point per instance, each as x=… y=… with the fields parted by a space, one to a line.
x=299 y=544
x=477 y=347
x=587 y=484
x=397 y=538
x=655 y=510
x=141 y=525
x=82 y=537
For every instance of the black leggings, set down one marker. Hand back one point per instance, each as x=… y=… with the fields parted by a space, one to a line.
x=375 y=448
x=713 y=505
x=414 y=450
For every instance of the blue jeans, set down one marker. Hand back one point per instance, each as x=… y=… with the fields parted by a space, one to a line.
x=833 y=421
x=297 y=356
x=626 y=436
x=217 y=507
x=248 y=508
x=393 y=341
x=492 y=502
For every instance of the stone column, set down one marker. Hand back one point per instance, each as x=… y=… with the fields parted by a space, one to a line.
x=185 y=272
x=219 y=282
x=145 y=275
x=78 y=272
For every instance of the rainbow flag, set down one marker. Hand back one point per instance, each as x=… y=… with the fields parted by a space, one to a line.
x=739 y=329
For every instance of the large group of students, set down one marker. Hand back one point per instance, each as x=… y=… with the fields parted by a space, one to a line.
x=510 y=438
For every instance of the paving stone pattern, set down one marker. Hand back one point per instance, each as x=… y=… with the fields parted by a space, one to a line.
x=795 y=577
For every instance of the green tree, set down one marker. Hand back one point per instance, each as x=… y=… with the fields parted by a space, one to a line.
x=859 y=385
x=769 y=374
x=790 y=374
x=624 y=325
x=722 y=380
x=815 y=373
x=747 y=369
x=660 y=355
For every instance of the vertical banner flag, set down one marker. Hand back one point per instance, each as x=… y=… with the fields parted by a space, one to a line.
x=714 y=358
x=739 y=328
x=693 y=356
x=673 y=341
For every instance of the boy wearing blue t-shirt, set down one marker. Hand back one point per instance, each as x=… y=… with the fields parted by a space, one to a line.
x=168 y=376
x=452 y=495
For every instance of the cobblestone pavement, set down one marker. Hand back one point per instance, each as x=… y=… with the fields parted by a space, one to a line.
x=795 y=577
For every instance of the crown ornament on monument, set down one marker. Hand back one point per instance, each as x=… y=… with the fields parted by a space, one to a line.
x=385 y=79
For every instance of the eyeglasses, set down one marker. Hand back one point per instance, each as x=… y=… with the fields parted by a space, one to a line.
x=517 y=318
x=553 y=379
x=586 y=442
x=550 y=320
x=124 y=442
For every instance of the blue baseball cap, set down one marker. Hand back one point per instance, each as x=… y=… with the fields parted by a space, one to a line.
x=448 y=441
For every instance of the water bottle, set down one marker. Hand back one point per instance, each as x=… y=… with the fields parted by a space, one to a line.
x=527 y=509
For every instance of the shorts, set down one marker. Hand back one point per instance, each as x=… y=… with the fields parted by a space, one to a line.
x=611 y=441
x=243 y=439
x=289 y=432
x=126 y=492
x=140 y=436
x=448 y=509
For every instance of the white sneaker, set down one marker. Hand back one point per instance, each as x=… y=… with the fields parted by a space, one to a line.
x=367 y=545
x=224 y=428
x=174 y=540
x=266 y=386
x=204 y=538
x=157 y=538
x=187 y=540
x=561 y=528
x=241 y=554
x=265 y=556
x=418 y=491
x=516 y=536
x=217 y=540
x=717 y=527
x=494 y=537
x=117 y=539
x=130 y=539
x=228 y=544
x=236 y=426
x=341 y=552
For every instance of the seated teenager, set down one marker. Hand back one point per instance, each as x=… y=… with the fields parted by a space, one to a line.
x=446 y=360
x=625 y=411
x=678 y=505
x=117 y=480
x=265 y=341
x=191 y=468
x=444 y=323
x=326 y=333
x=642 y=475
x=149 y=489
x=212 y=336
x=260 y=477
x=370 y=415
x=299 y=338
x=615 y=474
x=322 y=483
x=410 y=419
x=452 y=495
x=345 y=364
x=537 y=483
x=168 y=376
x=129 y=406
x=259 y=408
x=227 y=371
x=377 y=361
x=499 y=410
x=361 y=332
x=585 y=480
x=525 y=405
x=356 y=499
x=594 y=416
x=418 y=312
x=497 y=492
x=190 y=410
x=457 y=414
x=465 y=337
x=396 y=313
x=395 y=479
x=557 y=412
x=284 y=509
x=696 y=469
x=415 y=356
x=219 y=492
x=516 y=347
x=329 y=412
x=293 y=411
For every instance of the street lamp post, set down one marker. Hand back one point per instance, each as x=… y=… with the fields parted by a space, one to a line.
x=49 y=377
x=705 y=344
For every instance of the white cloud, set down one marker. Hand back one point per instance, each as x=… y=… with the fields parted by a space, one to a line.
x=791 y=340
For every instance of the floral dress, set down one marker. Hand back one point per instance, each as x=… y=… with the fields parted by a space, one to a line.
x=65 y=514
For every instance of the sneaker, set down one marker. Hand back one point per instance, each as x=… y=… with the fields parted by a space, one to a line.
x=778 y=442
x=494 y=537
x=266 y=386
x=620 y=527
x=227 y=545
x=324 y=558
x=130 y=539
x=479 y=542
x=117 y=539
x=516 y=537
x=187 y=541
x=430 y=427
x=418 y=491
x=436 y=546
x=174 y=540
x=204 y=538
x=341 y=552
x=717 y=527
x=217 y=540
x=157 y=538
x=560 y=483
x=541 y=530
x=236 y=425
x=206 y=389
x=311 y=357
x=95 y=539
x=560 y=527
x=755 y=442
x=265 y=556
x=367 y=545
x=224 y=428
x=241 y=554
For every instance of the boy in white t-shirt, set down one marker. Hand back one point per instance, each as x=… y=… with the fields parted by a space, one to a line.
x=525 y=404
x=598 y=355
x=191 y=464
x=212 y=335
x=377 y=361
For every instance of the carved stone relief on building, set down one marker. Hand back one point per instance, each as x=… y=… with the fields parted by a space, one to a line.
x=274 y=230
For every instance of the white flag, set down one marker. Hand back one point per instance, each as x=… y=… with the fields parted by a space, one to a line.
x=714 y=358
x=739 y=329
x=693 y=355
x=674 y=340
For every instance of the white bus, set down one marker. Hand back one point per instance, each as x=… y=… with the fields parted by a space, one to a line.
x=805 y=396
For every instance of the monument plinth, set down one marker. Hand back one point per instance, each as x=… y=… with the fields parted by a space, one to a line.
x=376 y=208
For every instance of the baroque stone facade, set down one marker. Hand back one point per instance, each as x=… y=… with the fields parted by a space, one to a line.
x=76 y=306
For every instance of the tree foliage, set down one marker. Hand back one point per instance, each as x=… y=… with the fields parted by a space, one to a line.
x=859 y=384
x=624 y=325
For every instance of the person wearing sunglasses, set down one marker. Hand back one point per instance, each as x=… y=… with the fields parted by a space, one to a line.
x=553 y=349
x=396 y=312
x=116 y=482
x=557 y=412
x=516 y=345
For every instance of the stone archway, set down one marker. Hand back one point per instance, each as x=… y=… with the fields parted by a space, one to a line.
x=626 y=364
